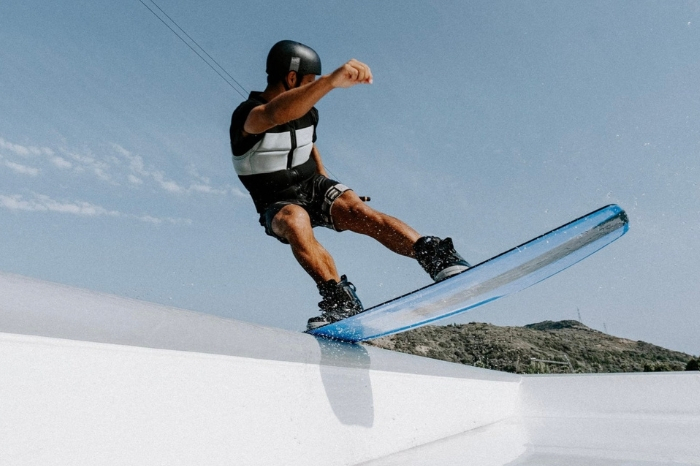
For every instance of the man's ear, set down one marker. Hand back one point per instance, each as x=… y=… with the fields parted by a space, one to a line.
x=291 y=79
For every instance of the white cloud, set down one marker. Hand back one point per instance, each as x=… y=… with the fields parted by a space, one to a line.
x=102 y=174
x=136 y=164
x=120 y=167
x=192 y=171
x=87 y=163
x=24 y=151
x=76 y=208
x=139 y=172
x=16 y=202
x=22 y=169
x=44 y=203
x=134 y=179
x=203 y=188
x=82 y=170
x=238 y=192
x=16 y=148
x=159 y=221
x=60 y=162
x=167 y=185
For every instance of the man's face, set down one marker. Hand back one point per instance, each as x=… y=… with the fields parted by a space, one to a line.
x=307 y=79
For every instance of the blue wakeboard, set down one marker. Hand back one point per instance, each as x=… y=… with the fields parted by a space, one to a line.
x=511 y=271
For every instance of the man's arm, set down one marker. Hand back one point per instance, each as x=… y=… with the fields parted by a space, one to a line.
x=295 y=103
x=316 y=155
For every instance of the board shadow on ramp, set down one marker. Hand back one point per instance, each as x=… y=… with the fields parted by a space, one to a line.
x=349 y=392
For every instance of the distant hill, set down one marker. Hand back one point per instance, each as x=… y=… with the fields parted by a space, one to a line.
x=546 y=347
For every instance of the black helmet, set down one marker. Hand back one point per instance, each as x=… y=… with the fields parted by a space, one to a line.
x=287 y=55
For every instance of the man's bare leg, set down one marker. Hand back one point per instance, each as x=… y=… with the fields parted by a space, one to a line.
x=437 y=257
x=339 y=300
x=293 y=224
x=351 y=213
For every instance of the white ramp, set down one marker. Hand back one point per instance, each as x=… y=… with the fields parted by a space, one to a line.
x=87 y=378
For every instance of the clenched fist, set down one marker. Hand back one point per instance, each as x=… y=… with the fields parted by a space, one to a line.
x=351 y=73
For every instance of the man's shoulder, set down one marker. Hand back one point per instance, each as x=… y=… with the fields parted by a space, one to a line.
x=244 y=108
x=239 y=143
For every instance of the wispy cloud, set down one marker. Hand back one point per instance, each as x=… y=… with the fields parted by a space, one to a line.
x=84 y=172
x=139 y=172
x=116 y=166
x=24 y=151
x=21 y=169
x=44 y=203
x=60 y=162
x=88 y=163
x=134 y=179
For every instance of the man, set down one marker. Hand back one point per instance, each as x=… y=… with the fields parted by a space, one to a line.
x=272 y=140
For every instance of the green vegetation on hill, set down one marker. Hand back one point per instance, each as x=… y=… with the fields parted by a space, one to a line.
x=545 y=347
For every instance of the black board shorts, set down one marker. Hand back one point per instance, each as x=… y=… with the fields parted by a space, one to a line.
x=316 y=195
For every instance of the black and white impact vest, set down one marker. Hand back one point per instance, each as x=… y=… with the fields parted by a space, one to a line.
x=270 y=163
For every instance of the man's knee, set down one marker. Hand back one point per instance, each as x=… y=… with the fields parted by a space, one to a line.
x=350 y=205
x=351 y=213
x=291 y=222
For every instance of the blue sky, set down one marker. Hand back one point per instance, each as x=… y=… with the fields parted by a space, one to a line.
x=490 y=122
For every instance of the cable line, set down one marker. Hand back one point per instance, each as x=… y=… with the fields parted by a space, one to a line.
x=200 y=47
x=243 y=94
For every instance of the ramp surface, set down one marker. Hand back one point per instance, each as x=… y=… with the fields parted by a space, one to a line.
x=89 y=378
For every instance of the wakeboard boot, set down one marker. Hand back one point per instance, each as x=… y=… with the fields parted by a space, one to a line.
x=439 y=258
x=339 y=302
